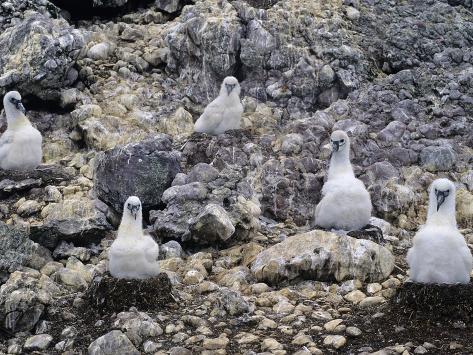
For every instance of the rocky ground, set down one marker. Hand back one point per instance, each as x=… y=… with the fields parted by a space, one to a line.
x=115 y=86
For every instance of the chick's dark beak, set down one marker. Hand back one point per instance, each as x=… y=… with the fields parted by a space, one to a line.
x=20 y=107
x=335 y=146
x=230 y=88
x=133 y=210
x=441 y=195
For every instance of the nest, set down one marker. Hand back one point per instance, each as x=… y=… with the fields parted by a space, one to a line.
x=107 y=294
x=435 y=301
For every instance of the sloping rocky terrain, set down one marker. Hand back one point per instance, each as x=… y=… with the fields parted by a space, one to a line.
x=114 y=86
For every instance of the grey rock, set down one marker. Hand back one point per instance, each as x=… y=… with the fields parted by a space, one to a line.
x=15 y=10
x=146 y=170
x=38 y=342
x=45 y=49
x=23 y=299
x=202 y=172
x=440 y=158
x=17 y=250
x=169 y=6
x=322 y=255
x=114 y=342
x=171 y=249
x=75 y=220
x=233 y=302
x=211 y=225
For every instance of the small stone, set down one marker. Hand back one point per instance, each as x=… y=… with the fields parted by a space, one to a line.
x=216 y=343
x=420 y=350
x=271 y=344
x=335 y=341
x=373 y=288
x=38 y=342
x=193 y=277
x=372 y=301
x=352 y=13
x=353 y=331
x=330 y=326
x=355 y=296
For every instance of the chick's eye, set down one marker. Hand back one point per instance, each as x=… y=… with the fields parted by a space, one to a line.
x=343 y=141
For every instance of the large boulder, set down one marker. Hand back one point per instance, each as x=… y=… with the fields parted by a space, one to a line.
x=17 y=250
x=74 y=219
x=12 y=11
x=142 y=169
x=320 y=255
x=37 y=56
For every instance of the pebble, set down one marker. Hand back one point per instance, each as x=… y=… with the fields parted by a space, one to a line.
x=335 y=341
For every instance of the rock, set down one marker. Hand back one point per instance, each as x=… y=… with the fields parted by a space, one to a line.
x=99 y=51
x=211 y=225
x=46 y=49
x=38 y=342
x=137 y=326
x=146 y=170
x=179 y=124
x=114 y=342
x=321 y=256
x=17 y=250
x=215 y=343
x=169 y=6
x=146 y=295
x=335 y=341
x=12 y=182
x=233 y=302
x=193 y=277
x=371 y=301
x=355 y=296
x=71 y=279
x=171 y=249
x=75 y=219
x=23 y=299
x=440 y=158
x=331 y=325
x=353 y=331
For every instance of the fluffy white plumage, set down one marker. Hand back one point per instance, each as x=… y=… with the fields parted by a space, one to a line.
x=20 y=144
x=345 y=204
x=439 y=253
x=223 y=113
x=133 y=255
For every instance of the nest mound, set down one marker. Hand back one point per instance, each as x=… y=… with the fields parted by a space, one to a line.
x=108 y=294
x=435 y=301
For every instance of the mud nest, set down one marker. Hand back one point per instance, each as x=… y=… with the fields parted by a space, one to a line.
x=435 y=301
x=107 y=294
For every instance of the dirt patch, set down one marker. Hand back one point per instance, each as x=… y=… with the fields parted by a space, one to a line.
x=419 y=313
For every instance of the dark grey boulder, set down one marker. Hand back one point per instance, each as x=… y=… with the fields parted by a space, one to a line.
x=143 y=169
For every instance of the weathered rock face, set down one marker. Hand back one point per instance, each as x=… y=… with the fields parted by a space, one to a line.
x=199 y=39
x=23 y=299
x=322 y=255
x=37 y=56
x=13 y=11
x=145 y=170
x=16 y=250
